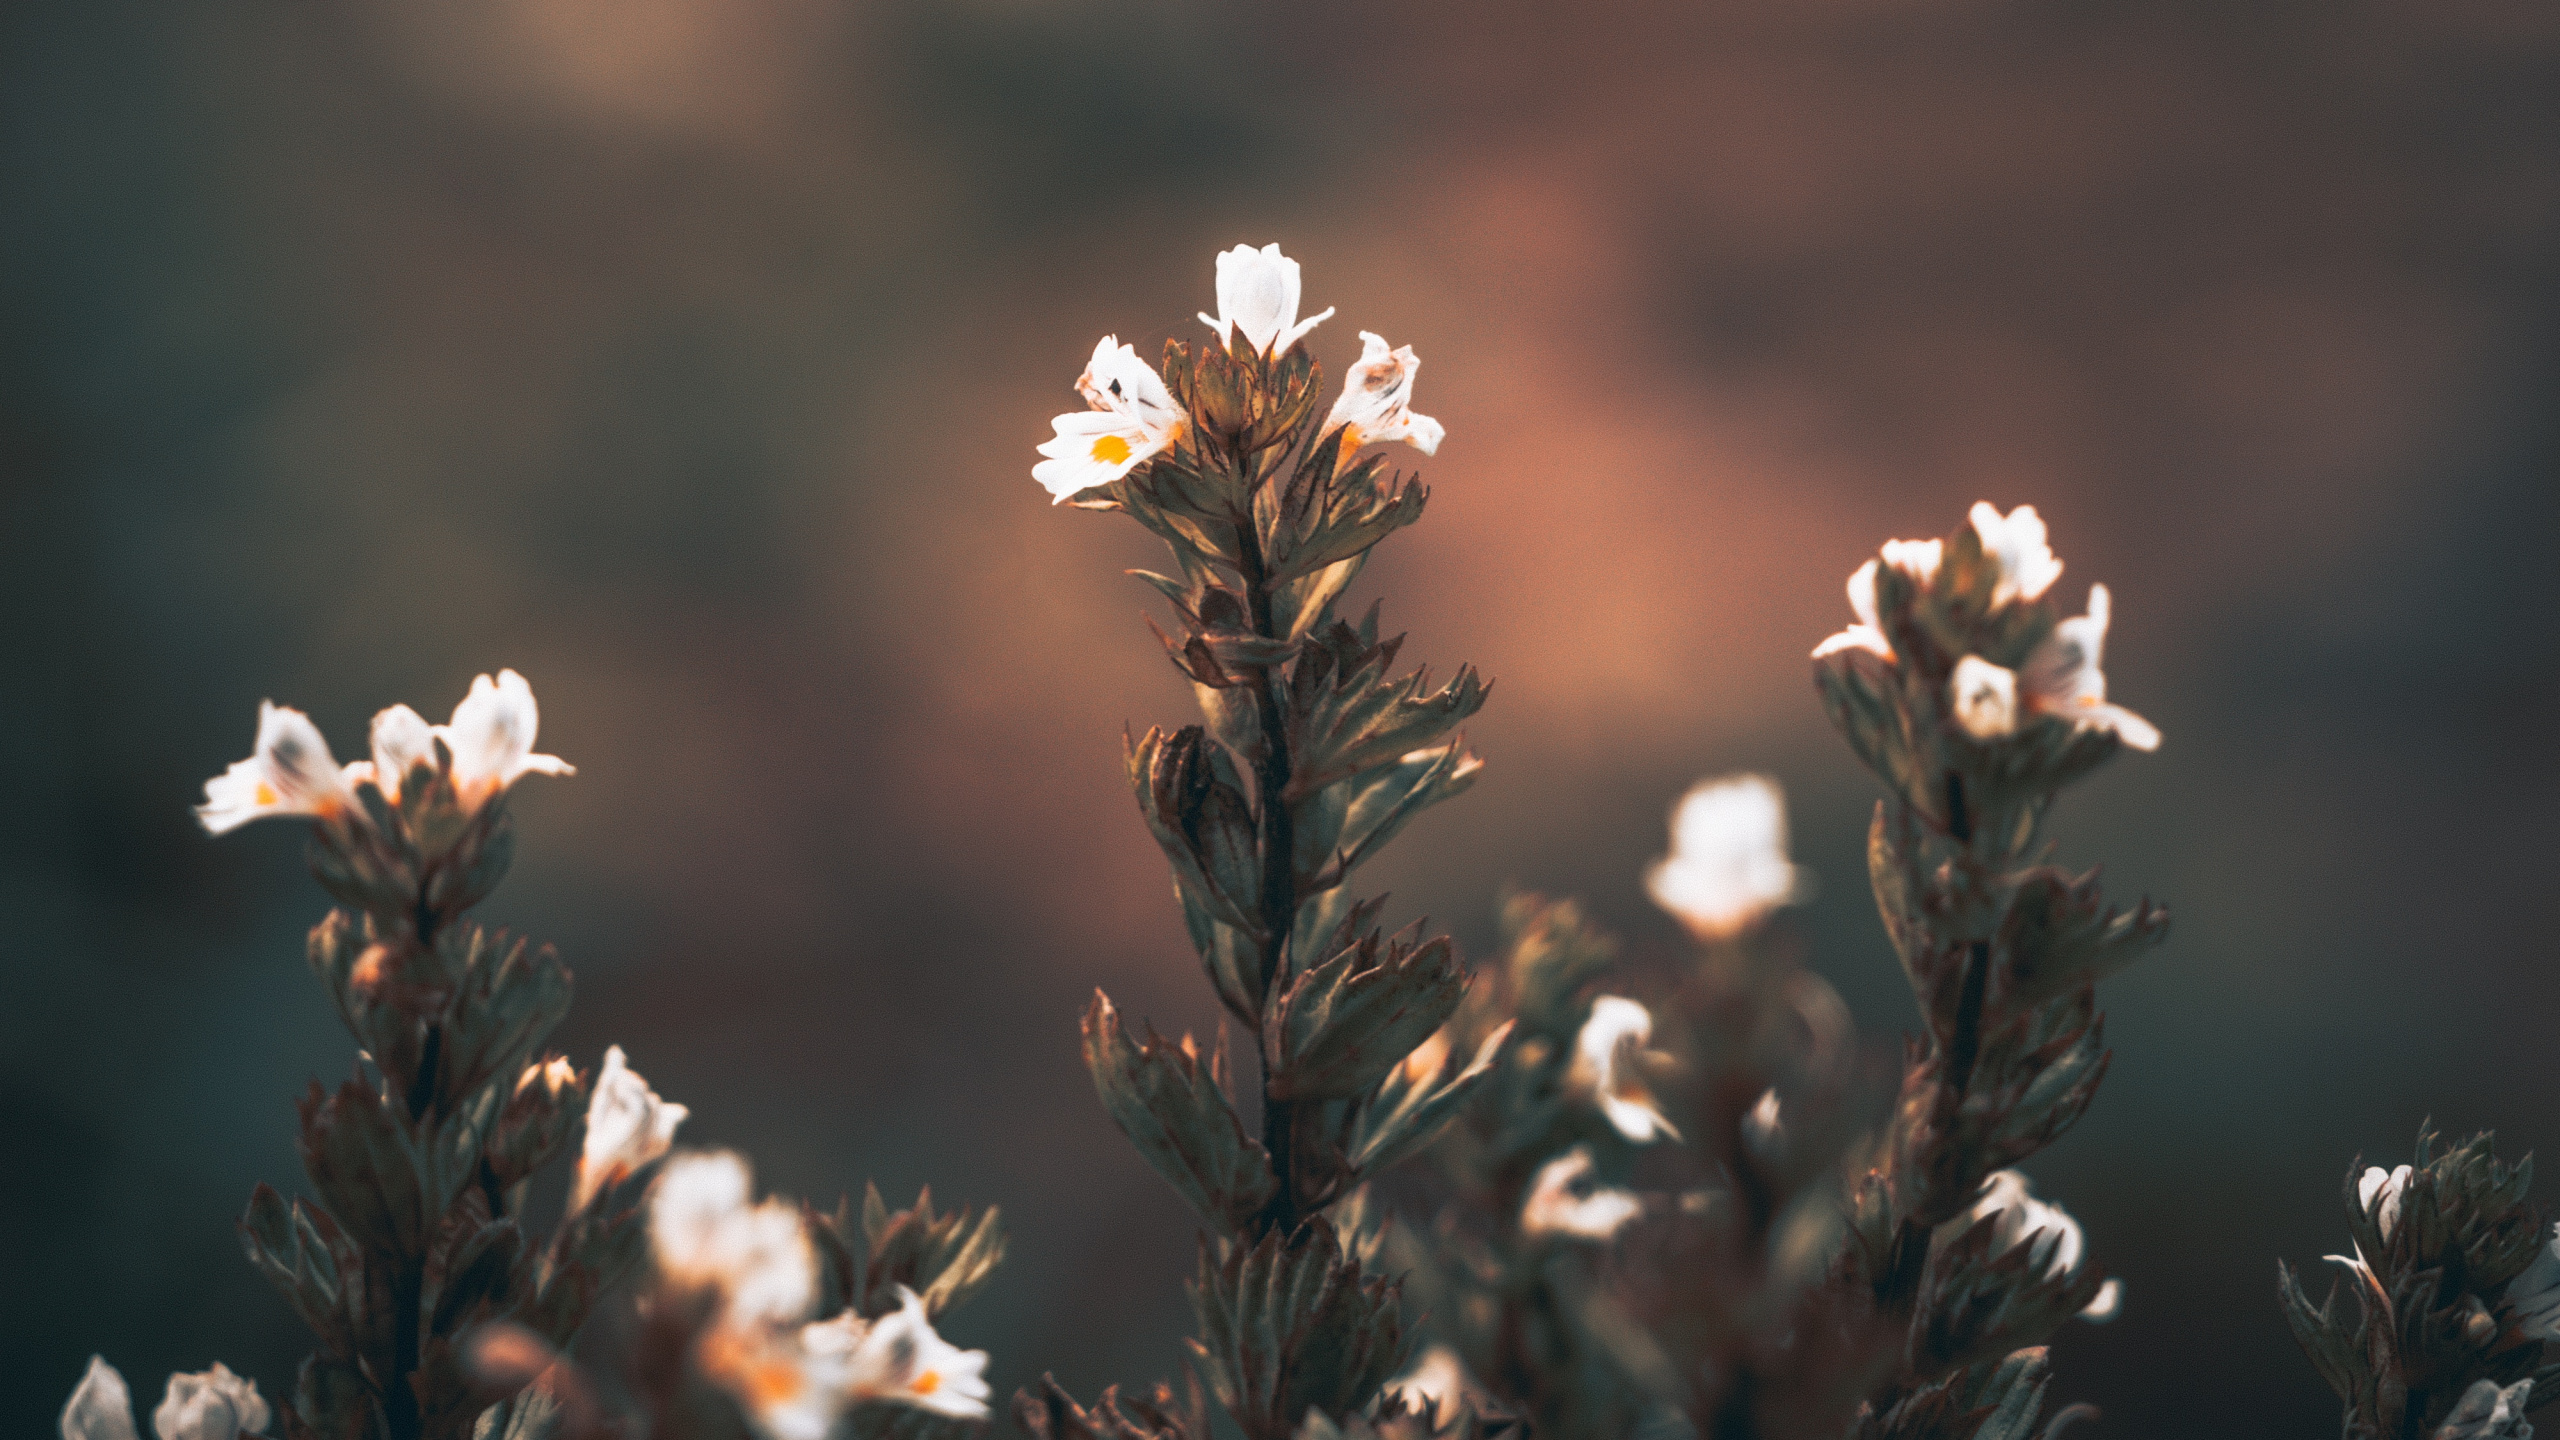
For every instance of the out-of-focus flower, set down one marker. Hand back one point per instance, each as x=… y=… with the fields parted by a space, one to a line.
x=1918 y=559
x=289 y=773
x=2378 y=1190
x=2062 y=678
x=1728 y=864
x=707 y=1236
x=2488 y=1412
x=2018 y=1218
x=1560 y=1204
x=1439 y=1382
x=627 y=1127
x=1762 y=1129
x=2016 y=543
x=1606 y=1066
x=2534 y=1296
x=1984 y=698
x=1132 y=418
x=1377 y=398
x=1258 y=294
x=208 y=1405
x=2106 y=1304
x=898 y=1357
x=491 y=737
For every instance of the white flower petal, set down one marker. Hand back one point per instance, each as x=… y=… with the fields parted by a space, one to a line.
x=899 y=1358
x=211 y=1405
x=1984 y=698
x=1556 y=1205
x=706 y=1235
x=100 y=1407
x=1258 y=294
x=627 y=1127
x=2107 y=1304
x=402 y=740
x=291 y=772
x=1728 y=864
x=2018 y=1218
x=1605 y=1067
x=1377 y=395
x=491 y=736
x=2064 y=678
x=2016 y=543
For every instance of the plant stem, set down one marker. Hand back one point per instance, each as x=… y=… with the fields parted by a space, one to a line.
x=1279 y=871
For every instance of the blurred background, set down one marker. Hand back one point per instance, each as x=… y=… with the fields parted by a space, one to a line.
x=688 y=356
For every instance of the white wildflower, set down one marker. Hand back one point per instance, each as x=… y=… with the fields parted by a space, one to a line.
x=2016 y=544
x=1258 y=294
x=627 y=1127
x=1728 y=864
x=706 y=1235
x=2488 y=1412
x=1377 y=396
x=1438 y=1382
x=1560 y=1204
x=100 y=1407
x=491 y=737
x=289 y=773
x=1917 y=559
x=2018 y=1218
x=1984 y=698
x=211 y=1405
x=1606 y=1066
x=899 y=1358
x=2378 y=1190
x=1133 y=417
x=2062 y=678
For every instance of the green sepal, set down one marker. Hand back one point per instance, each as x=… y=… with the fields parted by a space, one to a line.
x=1171 y=1101
x=1292 y=1324
x=1340 y=1027
x=1408 y=1109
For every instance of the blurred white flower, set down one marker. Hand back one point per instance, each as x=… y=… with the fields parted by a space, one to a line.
x=1606 y=1066
x=2488 y=1412
x=1258 y=294
x=706 y=1235
x=1133 y=417
x=2018 y=1218
x=2535 y=1294
x=1559 y=1203
x=2378 y=1190
x=1377 y=395
x=209 y=1405
x=898 y=1357
x=1918 y=559
x=1728 y=864
x=2016 y=543
x=289 y=773
x=2106 y=1304
x=402 y=740
x=1438 y=1381
x=491 y=737
x=2062 y=678
x=627 y=1127
x=1984 y=697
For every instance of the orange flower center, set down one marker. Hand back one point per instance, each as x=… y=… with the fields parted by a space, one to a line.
x=1110 y=449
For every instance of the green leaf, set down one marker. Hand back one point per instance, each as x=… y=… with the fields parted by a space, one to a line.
x=1408 y=1110
x=1293 y=1324
x=1172 y=1104
x=1340 y=1027
x=1193 y=806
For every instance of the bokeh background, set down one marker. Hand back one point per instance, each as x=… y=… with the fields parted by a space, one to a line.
x=687 y=355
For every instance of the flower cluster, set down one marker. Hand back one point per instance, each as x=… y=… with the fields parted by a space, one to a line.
x=212 y=1405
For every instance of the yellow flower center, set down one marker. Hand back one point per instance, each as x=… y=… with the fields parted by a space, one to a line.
x=1110 y=449
x=266 y=793
x=931 y=1380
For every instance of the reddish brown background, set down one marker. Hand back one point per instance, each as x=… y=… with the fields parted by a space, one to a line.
x=688 y=355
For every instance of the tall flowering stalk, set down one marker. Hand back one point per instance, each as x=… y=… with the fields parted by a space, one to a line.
x=1313 y=755
x=1975 y=702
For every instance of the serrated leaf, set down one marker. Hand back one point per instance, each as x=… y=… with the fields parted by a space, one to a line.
x=1340 y=1027
x=1167 y=1099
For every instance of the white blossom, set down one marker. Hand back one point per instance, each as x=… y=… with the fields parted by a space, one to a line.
x=211 y=1405
x=491 y=736
x=2534 y=1296
x=1606 y=1058
x=1728 y=864
x=1984 y=698
x=2016 y=544
x=1439 y=1383
x=100 y=1407
x=706 y=1235
x=1132 y=418
x=2062 y=678
x=1559 y=1203
x=1377 y=396
x=290 y=772
x=1917 y=559
x=627 y=1127
x=2488 y=1412
x=2018 y=1218
x=2106 y=1304
x=1258 y=294
x=2378 y=1190
x=898 y=1357
x=402 y=740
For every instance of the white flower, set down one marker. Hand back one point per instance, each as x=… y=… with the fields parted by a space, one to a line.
x=1984 y=697
x=2378 y=1190
x=2535 y=1294
x=290 y=773
x=1133 y=417
x=1555 y=1206
x=402 y=740
x=1918 y=559
x=1258 y=294
x=1728 y=864
x=491 y=737
x=706 y=1235
x=212 y=1405
x=2106 y=1304
x=627 y=1127
x=2487 y=1412
x=1438 y=1382
x=2063 y=679
x=1605 y=1060
x=898 y=1357
x=1377 y=394
x=2016 y=544
x=2018 y=1218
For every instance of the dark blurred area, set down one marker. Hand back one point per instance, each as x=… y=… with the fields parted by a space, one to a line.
x=688 y=356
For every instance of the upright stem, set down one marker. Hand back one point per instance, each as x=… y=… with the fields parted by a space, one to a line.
x=1279 y=870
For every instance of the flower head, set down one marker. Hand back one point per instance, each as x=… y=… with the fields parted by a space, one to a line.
x=2378 y=1190
x=1133 y=416
x=1560 y=1203
x=2488 y=1411
x=1984 y=697
x=1377 y=395
x=212 y=1405
x=2062 y=678
x=2016 y=544
x=1258 y=294
x=289 y=773
x=2018 y=1218
x=402 y=741
x=491 y=737
x=100 y=1407
x=1439 y=1383
x=706 y=1236
x=1728 y=864
x=627 y=1127
x=1605 y=1065
x=1916 y=559
x=898 y=1357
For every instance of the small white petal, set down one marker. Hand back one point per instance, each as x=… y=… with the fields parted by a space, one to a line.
x=402 y=740
x=100 y=1407
x=2016 y=543
x=1984 y=697
x=212 y=1405
x=899 y=1358
x=1556 y=1205
x=291 y=772
x=1728 y=864
x=1604 y=1067
x=2107 y=1304
x=1258 y=294
x=627 y=1127
x=1377 y=395
x=706 y=1236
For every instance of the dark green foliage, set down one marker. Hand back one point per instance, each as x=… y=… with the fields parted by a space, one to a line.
x=1291 y=1324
